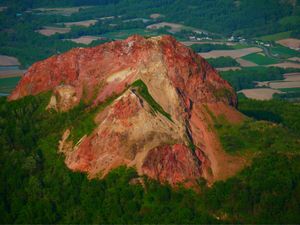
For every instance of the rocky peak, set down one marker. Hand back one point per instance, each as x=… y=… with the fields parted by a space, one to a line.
x=160 y=123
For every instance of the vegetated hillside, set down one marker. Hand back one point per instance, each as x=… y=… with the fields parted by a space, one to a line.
x=37 y=187
x=18 y=23
x=250 y=18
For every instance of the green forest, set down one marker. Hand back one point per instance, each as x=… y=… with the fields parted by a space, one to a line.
x=38 y=187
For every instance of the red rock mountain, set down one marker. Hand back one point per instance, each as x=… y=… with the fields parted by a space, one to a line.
x=161 y=123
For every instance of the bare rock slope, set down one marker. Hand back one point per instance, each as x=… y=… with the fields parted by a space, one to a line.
x=161 y=122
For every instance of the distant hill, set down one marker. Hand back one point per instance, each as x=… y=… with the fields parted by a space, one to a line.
x=240 y=17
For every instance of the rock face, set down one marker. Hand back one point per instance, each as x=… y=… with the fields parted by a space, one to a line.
x=161 y=123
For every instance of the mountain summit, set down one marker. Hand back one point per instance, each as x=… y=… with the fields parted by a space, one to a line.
x=157 y=101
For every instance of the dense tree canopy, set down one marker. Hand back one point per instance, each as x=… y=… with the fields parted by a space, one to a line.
x=37 y=187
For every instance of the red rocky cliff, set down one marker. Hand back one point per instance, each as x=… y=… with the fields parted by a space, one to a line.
x=128 y=131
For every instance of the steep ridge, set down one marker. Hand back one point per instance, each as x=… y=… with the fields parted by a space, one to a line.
x=161 y=123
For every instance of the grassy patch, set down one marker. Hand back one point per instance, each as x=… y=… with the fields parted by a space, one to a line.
x=8 y=84
x=221 y=62
x=260 y=59
x=143 y=91
x=284 y=52
x=84 y=123
x=289 y=89
x=276 y=37
x=255 y=136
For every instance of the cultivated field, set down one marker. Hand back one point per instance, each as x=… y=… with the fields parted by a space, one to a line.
x=60 y=11
x=276 y=37
x=175 y=27
x=228 y=69
x=295 y=59
x=48 y=31
x=11 y=73
x=292 y=80
x=245 y=63
x=260 y=93
x=260 y=59
x=238 y=53
x=189 y=43
x=156 y=16
x=290 y=43
x=287 y=65
x=85 y=39
x=8 y=61
x=85 y=23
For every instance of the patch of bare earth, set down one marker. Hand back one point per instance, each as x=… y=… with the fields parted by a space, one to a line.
x=48 y=31
x=156 y=16
x=189 y=43
x=295 y=59
x=290 y=43
x=292 y=76
x=175 y=27
x=60 y=11
x=8 y=61
x=286 y=65
x=11 y=73
x=85 y=23
x=260 y=93
x=292 y=80
x=228 y=68
x=85 y=39
x=245 y=63
x=238 y=53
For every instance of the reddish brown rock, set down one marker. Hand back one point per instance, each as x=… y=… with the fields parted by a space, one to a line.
x=129 y=131
x=173 y=164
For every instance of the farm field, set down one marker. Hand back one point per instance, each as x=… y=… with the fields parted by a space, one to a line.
x=11 y=73
x=8 y=61
x=65 y=11
x=174 y=27
x=189 y=43
x=238 y=53
x=287 y=90
x=285 y=65
x=48 y=31
x=295 y=59
x=266 y=89
x=284 y=52
x=84 y=23
x=260 y=59
x=86 y=39
x=290 y=43
x=275 y=37
x=122 y=34
x=260 y=93
x=156 y=15
x=245 y=63
x=228 y=68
